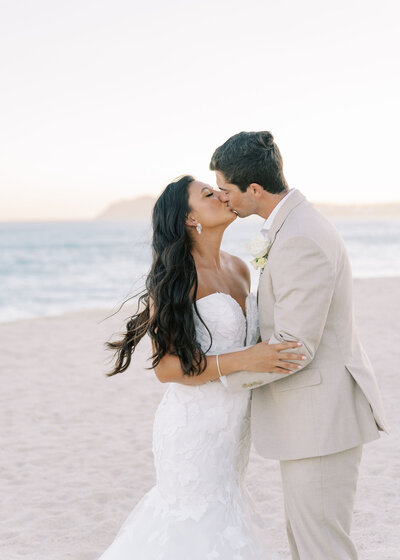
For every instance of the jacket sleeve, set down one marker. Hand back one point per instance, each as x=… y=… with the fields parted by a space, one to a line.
x=303 y=280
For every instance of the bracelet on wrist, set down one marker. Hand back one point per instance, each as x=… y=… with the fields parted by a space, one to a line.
x=218 y=368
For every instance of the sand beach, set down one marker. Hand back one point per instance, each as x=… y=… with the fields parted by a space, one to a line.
x=76 y=446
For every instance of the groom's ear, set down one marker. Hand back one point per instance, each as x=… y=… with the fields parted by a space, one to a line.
x=256 y=190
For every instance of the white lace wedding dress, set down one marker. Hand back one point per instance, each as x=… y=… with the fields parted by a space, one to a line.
x=199 y=508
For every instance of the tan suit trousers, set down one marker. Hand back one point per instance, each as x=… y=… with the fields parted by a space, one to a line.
x=319 y=497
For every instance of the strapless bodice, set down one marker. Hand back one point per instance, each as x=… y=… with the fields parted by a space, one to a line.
x=228 y=326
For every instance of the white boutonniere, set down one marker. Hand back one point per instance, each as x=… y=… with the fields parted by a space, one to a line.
x=259 y=247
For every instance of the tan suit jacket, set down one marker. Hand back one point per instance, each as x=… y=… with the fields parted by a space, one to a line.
x=305 y=293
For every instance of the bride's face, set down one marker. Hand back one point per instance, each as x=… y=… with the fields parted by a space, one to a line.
x=207 y=208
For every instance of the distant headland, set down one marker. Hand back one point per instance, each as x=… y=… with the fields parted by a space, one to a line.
x=140 y=209
x=128 y=209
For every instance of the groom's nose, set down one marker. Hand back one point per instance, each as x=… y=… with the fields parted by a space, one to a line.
x=223 y=196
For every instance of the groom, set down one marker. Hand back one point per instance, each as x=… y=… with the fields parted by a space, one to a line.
x=316 y=420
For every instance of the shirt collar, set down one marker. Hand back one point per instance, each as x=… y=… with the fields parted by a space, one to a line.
x=268 y=222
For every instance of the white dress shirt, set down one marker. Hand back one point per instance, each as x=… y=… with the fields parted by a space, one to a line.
x=268 y=222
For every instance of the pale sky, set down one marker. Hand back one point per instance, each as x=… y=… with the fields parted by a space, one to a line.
x=105 y=100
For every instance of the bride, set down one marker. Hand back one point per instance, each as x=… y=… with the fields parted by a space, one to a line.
x=196 y=309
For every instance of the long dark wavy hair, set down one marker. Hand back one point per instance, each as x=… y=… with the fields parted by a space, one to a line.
x=168 y=286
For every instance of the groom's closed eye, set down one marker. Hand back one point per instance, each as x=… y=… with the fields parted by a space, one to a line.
x=224 y=194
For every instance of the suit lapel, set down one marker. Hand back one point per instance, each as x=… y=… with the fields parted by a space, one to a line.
x=294 y=200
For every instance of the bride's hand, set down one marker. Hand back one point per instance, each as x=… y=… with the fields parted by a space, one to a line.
x=274 y=358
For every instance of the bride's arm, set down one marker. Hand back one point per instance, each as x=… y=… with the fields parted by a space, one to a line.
x=258 y=358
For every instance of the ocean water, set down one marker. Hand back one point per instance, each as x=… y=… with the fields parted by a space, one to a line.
x=50 y=268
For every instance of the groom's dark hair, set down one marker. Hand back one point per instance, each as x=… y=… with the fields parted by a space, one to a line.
x=251 y=157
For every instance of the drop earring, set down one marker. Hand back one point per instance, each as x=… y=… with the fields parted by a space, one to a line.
x=199 y=228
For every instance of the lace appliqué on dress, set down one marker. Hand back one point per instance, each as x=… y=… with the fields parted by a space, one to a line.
x=199 y=508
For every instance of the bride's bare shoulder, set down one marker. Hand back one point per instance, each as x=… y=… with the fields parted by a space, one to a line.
x=236 y=265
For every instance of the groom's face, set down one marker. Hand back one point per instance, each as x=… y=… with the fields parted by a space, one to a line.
x=242 y=203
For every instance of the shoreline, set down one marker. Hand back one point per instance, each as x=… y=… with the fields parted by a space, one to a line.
x=110 y=310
